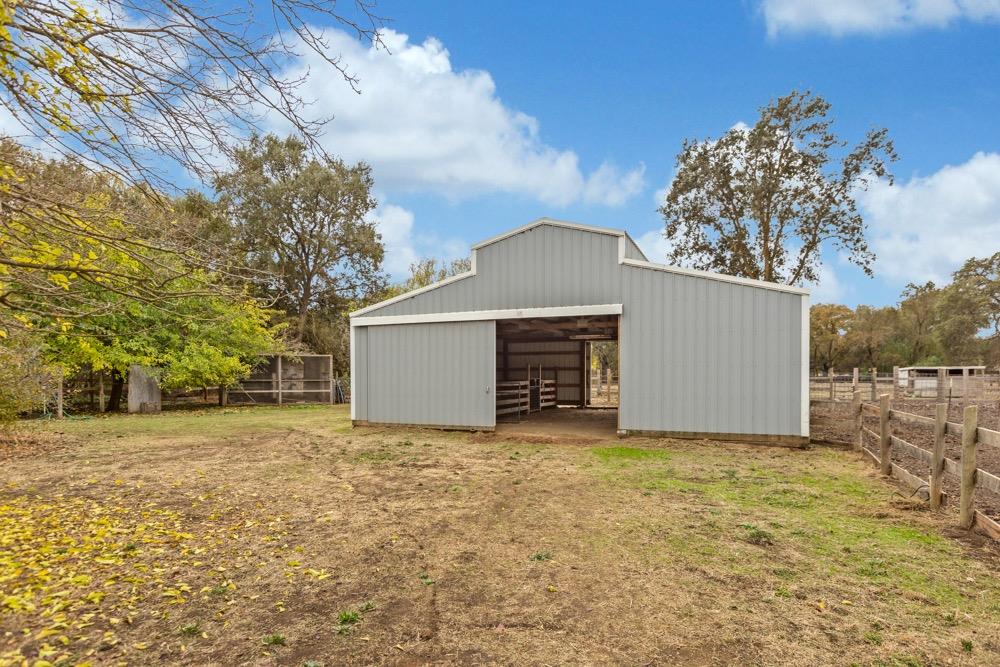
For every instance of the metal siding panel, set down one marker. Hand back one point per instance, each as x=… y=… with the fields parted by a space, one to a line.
x=544 y=266
x=359 y=374
x=435 y=373
x=705 y=356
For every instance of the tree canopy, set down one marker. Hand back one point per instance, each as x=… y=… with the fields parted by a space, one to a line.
x=762 y=201
x=303 y=221
x=956 y=324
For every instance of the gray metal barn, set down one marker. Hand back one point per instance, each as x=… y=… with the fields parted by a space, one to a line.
x=700 y=354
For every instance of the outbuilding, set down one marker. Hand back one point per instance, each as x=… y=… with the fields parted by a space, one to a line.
x=700 y=354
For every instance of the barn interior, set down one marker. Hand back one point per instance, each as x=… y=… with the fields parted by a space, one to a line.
x=544 y=376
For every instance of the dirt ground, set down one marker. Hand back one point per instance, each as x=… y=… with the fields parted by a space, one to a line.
x=840 y=427
x=280 y=536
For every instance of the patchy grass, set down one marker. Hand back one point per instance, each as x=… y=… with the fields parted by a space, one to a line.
x=251 y=535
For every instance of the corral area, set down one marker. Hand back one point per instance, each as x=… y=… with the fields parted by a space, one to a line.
x=282 y=536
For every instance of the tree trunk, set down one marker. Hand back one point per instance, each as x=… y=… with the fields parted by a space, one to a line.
x=115 y=398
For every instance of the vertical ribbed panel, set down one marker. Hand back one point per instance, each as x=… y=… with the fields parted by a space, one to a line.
x=708 y=356
x=440 y=374
x=359 y=373
x=543 y=266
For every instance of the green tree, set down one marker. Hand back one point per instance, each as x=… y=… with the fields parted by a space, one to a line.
x=918 y=318
x=24 y=377
x=303 y=221
x=869 y=334
x=970 y=313
x=763 y=201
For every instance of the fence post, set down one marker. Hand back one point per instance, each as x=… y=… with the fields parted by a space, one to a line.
x=965 y=384
x=279 y=380
x=940 y=383
x=937 y=459
x=832 y=390
x=855 y=379
x=59 y=395
x=895 y=380
x=858 y=421
x=969 y=424
x=874 y=372
x=885 y=459
x=332 y=383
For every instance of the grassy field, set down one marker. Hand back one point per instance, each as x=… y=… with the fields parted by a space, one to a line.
x=282 y=536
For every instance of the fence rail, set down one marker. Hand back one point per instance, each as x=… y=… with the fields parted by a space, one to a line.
x=970 y=476
x=941 y=386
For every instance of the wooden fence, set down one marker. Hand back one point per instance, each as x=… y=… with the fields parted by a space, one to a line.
x=841 y=386
x=965 y=469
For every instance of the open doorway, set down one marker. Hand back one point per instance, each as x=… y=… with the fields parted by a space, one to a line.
x=547 y=375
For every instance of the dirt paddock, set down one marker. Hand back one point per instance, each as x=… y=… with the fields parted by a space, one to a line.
x=282 y=536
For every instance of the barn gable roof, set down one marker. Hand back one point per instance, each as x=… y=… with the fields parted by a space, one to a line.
x=626 y=247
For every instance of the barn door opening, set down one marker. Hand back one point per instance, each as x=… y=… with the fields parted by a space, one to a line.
x=545 y=373
x=603 y=390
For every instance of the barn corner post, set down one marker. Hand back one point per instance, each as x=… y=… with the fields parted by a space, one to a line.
x=937 y=457
x=885 y=435
x=966 y=511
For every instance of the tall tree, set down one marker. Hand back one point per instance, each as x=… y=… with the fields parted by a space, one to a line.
x=304 y=220
x=970 y=310
x=918 y=317
x=763 y=201
x=870 y=331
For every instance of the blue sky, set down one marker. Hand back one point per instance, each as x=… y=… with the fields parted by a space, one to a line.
x=487 y=115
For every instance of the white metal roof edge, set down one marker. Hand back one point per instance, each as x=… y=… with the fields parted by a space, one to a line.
x=478 y=315
x=421 y=290
x=696 y=273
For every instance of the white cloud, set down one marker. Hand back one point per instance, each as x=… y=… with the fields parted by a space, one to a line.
x=926 y=228
x=654 y=245
x=404 y=245
x=424 y=125
x=841 y=17
x=828 y=288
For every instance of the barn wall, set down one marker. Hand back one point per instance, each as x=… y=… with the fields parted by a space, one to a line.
x=706 y=356
x=698 y=354
x=543 y=266
x=560 y=361
x=439 y=374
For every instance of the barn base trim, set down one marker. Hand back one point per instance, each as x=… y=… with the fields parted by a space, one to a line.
x=435 y=427
x=749 y=438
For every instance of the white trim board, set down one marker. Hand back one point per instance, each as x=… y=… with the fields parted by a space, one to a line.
x=474 y=315
x=804 y=407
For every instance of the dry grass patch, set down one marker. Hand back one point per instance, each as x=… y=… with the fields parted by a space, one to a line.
x=281 y=536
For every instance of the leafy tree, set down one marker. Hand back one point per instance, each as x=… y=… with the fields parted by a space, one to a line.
x=970 y=312
x=198 y=342
x=870 y=331
x=918 y=318
x=24 y=376
x=132 y=91
x=303 y=221
x=763 y=201
x=429 y=271
x=828 y=324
